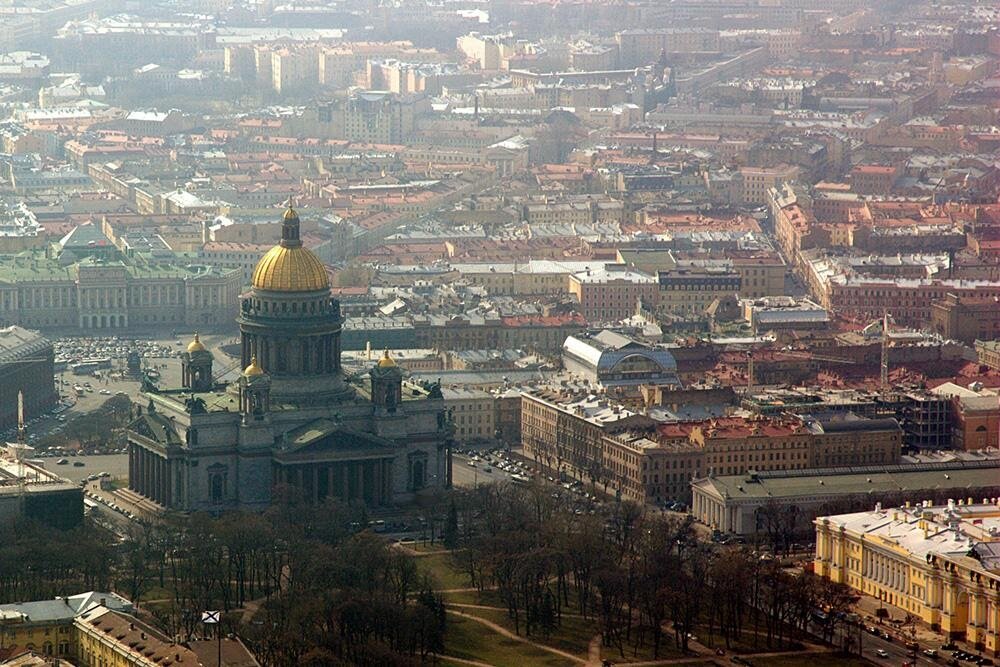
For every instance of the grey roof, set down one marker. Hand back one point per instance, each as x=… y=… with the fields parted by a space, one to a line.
x=16 y=343
x=87 y=235
x=964 y=476
x=64 y=609
x=605 y=349
x=843 y=424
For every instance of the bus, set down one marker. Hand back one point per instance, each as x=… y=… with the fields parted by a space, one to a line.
x=88 y=366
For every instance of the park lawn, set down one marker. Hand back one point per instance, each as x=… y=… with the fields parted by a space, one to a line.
x=421 y=546
x=668 y=651
x=745 y=645
x=573 y=635
x=811 y=659
x=470 y=640
x=442 y=571
x=489 y=597
x=156 y=593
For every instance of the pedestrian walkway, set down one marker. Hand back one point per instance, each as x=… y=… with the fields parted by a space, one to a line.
x=500 y=630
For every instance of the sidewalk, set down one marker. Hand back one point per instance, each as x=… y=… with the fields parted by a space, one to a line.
x=923 y=635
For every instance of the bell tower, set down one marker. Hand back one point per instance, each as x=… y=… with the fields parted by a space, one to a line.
x=196 y=366
x=255 y=393
x=387 y=385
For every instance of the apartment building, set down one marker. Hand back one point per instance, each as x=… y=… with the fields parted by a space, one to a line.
x=757 y=181
x=966 y=319
x=975 y=415
x=593 y=439
x=564 y=430
x=644 y=45
x=646 y=470
x=908 y=301
x=473 y=413
x=988 y=352
x=874 y=179
x=689 y=291
x=612 y=292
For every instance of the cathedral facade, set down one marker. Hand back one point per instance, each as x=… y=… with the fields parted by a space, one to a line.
x=292 y=421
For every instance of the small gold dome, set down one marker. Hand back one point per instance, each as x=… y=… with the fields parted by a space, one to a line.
x=290 y=213
x=254 y=369
x=294 y=269
x=386 y=361
x=196 y=345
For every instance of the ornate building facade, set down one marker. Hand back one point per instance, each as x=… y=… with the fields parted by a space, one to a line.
x=292 y=420
x=84 y=281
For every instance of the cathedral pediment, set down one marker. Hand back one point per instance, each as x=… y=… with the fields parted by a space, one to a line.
x=323 y=437
x=157 y=428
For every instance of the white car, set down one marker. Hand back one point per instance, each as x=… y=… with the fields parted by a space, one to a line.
x=882 y=653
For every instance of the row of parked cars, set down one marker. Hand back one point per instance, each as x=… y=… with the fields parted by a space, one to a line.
x=110 y=504
x=958 y=656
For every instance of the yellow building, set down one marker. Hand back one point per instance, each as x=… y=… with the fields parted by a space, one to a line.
x=939 y=563
x=97 y=630
x=109 y=638
x=47 y=626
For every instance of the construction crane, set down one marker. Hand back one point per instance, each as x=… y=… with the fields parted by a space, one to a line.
x=884 y=366
x=791 y=353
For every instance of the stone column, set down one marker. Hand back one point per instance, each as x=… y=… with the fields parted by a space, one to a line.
x=131 y=467
x=168 y=485
x=157 y=481
x=135 y=481
x=161 y=474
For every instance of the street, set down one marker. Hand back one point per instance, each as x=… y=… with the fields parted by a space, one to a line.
x=462 y=474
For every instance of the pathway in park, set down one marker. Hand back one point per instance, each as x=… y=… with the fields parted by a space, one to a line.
x=500 y=630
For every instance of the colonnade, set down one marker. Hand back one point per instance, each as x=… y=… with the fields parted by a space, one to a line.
x=369 y=480
x=150 y=474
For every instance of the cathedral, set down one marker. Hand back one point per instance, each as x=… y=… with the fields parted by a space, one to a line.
x=292 y=420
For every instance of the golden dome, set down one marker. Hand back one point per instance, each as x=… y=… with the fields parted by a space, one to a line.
x=254 y=369
x=290 y=213
x=196 y=345
x=386 y=361
x=294 y=269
